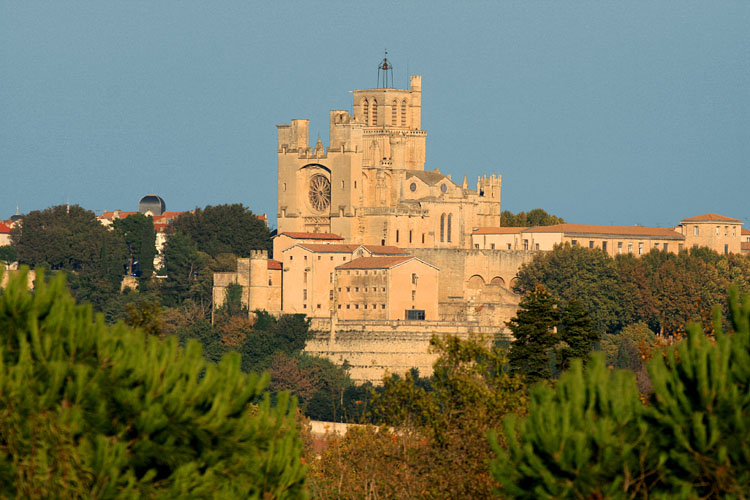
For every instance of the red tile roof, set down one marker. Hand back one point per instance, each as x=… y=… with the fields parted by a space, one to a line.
x=323 y=248
x=745 y=231
x=313 y=236
x=710 y=218
x=160 y=227
x=262 y=217
x=385 y=250
x=376 y=262
x=497 y=230
x=4 y=229
x=274 y=264
x=659 y=232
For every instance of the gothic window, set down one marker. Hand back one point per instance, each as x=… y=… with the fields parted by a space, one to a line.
x=374 y=120
x=394 y=112
x=450 y=219
x=320 y=192
x=366 y=111
x=442 y=228
x=403 y=113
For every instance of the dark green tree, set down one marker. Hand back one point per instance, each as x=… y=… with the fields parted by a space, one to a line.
x=71 y=239
x=533 y=331
x=535 y=217
x=93 y=411
x=577 y=332
x=224 y=229
x=137 y=231
x=8 y=254
x=573 y=272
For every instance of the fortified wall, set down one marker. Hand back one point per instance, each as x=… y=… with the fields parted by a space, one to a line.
x=374 y=349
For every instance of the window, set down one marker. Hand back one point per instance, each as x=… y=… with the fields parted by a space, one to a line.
x=695 y=231
x=384 y=289
x=305 y=257
x=348 y=289
x=630 y=248
x=330 y=278
x=510 y=247
x=726 y=230
x=342 y=184
x=285 y=186
x=356 y=306
x=525 y=244
x=409 y=235
x=591 y=244
x=680 y=247
x=717 y=230
x=318 y=306
x=422 y=238
x=413 y=187
x=413 y=295
x=574 y=242
x=304 y=294
x=640 y=248
x=726 y=249
x=365 y=289
x=396 y=235
x=331 y=257
x=318 y=257
x=348 y=306
x=444 y=188
x=619 y=247
x=382 y=306
x=291 y=257
x=339 y=306
x=536 y=246
x=476 y=245
x=492 y=246
x=414 y=278
x=394 y=112
x=604 y=246
x=366 y=111
x=415 y=314
x=665 y=246
x=450 y=218
x=374 y=117
x=403 y=113
x=356 y=289
x=355 y=184
x=656 y=245
x=365 y=306
x=442 y=228
x=305 y=277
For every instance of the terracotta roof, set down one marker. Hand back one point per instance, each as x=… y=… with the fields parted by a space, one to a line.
x=710 y=218
x=313 y=236
x=274 y=264
x=376 y=262
x=160 y=227
x=323 y=248
x=659 y=232
x=385 y=250
x=745 y=231
x=497 y=230
x=262 y=217
x=4 y=229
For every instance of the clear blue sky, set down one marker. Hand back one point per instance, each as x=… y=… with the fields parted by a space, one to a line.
x=626 y=112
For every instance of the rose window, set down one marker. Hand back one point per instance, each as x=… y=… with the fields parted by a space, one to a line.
x=320 y=192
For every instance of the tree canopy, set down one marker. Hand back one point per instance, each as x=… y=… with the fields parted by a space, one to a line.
x=93 y=411
x=137 y=231
x=224 y=229
x=535 y=217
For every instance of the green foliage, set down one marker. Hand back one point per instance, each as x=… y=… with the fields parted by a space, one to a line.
x=573 y=272
x=532 y=329
x=591 y=437
x=73 y=240
x=584 y=438
x=224 y=229
x=629 y=348
x=137 y=231
x=471 y=390
x=91 y=411
x=578 y=333
x=8 y=254
x=535 y=217
x=287 y=334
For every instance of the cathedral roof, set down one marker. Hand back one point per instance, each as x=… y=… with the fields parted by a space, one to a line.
x=385 y=250
x=313 y=236
x=660 y=232
x=710 y=218
x=429 y=177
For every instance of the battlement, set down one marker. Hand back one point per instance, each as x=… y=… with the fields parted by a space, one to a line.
x=259 y=254
x=489 y=186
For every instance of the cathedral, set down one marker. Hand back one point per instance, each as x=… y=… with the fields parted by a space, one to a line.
x=371 y=185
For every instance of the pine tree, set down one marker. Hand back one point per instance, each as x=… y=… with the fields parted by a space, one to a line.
x=578 y=333
x=93 y=411
x=533 y=329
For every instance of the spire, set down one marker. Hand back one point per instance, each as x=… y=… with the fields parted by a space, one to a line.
x=319 y=146
x=465 y=184
x=386 y=68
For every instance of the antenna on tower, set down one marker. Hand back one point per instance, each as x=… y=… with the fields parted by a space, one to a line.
x=385 y=69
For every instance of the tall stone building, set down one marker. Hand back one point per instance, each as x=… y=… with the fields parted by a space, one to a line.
x=370 y=185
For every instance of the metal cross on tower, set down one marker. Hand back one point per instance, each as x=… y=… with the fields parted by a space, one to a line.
x=385 y=69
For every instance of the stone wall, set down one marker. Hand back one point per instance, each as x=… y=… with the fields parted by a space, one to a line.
x=376 y=348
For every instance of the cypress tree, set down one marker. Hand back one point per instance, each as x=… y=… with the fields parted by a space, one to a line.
x=93 y=411
x=578 y=332
x=533 y=329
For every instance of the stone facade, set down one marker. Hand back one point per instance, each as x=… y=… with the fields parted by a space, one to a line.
x=260 y=278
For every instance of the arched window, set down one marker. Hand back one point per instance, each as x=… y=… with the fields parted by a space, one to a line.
x=365 y=111
x=442 y=228
x=403 y=113
x=450 y=218
x=374 y=112
x=394 y=113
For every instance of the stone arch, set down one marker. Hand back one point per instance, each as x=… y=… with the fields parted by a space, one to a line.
x=513 y=282
x=498 y=280
x=476 y=282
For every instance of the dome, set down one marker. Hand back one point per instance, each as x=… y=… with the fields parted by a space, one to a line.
x=152 y=202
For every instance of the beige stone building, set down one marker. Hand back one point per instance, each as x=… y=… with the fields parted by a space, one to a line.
x=260 y=278
x=718 y=232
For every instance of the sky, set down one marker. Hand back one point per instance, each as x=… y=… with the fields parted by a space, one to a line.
x=601 y=112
